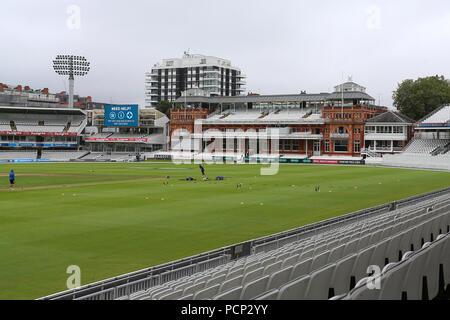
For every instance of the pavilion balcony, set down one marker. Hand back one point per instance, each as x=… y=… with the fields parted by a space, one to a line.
x=342 y=136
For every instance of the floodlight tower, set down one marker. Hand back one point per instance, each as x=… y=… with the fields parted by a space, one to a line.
x=68 y=65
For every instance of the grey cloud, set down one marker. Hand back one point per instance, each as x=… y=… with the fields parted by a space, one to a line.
x=282 y=46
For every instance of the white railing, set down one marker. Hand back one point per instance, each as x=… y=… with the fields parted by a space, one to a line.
x=370 y=153
x=386 y=136
x=384 y=149
x=340 y=136
x=150 y=281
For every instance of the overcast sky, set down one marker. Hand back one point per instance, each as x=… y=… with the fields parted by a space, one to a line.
x=282 y=46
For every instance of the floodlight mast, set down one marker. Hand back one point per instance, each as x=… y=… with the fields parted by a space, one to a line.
x=71 y=89
x=72 y=66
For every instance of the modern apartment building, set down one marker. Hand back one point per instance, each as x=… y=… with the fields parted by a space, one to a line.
x=215 y=76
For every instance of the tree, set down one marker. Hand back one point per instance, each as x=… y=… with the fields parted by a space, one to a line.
x=164 y=107
x=418 y=98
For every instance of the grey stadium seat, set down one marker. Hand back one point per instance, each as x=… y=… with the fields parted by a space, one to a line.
x=207 y=293
x=248 y=277
x=202 y=279
x=172 y=296
x=446 y=264
x=232 y=294
x=434 y=259
x=320 y=260
x=290 y=260
x=413 y=284
x=254 y=288
x=379 y=254
x=363 y=242
x=351 y=247
x=216 y=280
x=319 y=283
x=183 y=285
x=231 y=283
x=235 y=273
x=283 y=256
x=194 y=288
x=375 y=238
x=269 y=295
x=405 y=241
x=301 y=269
x=362 y=291
x=307 y=254
x=162 y=293
x=393 y=248
x=268 y=261
x=250 y=267
x=280 y=277
x=271 y=268
x=341 y=280
x=336 y=253
x=362 y=262
x=393 y=285
x=294 y=290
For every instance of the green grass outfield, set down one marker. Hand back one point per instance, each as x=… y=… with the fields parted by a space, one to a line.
x=111 y=219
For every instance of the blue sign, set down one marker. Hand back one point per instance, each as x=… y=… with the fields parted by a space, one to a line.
x=122 y=116
x=30 y=160
x=432 y=125
x=35 y=145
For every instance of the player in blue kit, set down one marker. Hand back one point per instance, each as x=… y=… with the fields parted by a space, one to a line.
x=12 y=179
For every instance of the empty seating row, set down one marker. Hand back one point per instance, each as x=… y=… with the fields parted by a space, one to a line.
x=264 y=115
x=128 y=135
x=336 y=232
x=63 y=155
x=422 y=274
x=100 y=156
x=46 y=128
x=321 y=278
x=11 y=155
x=441 y=116
x=424 y=146
x=376 y=240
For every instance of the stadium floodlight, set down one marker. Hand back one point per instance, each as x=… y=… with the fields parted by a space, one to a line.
x=69 y=65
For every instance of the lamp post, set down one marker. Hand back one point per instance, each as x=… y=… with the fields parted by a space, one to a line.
x=69 y=65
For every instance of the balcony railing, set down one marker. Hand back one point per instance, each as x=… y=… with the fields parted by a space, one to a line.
x=384 y=149
x=340 y=136
x=386 y=136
